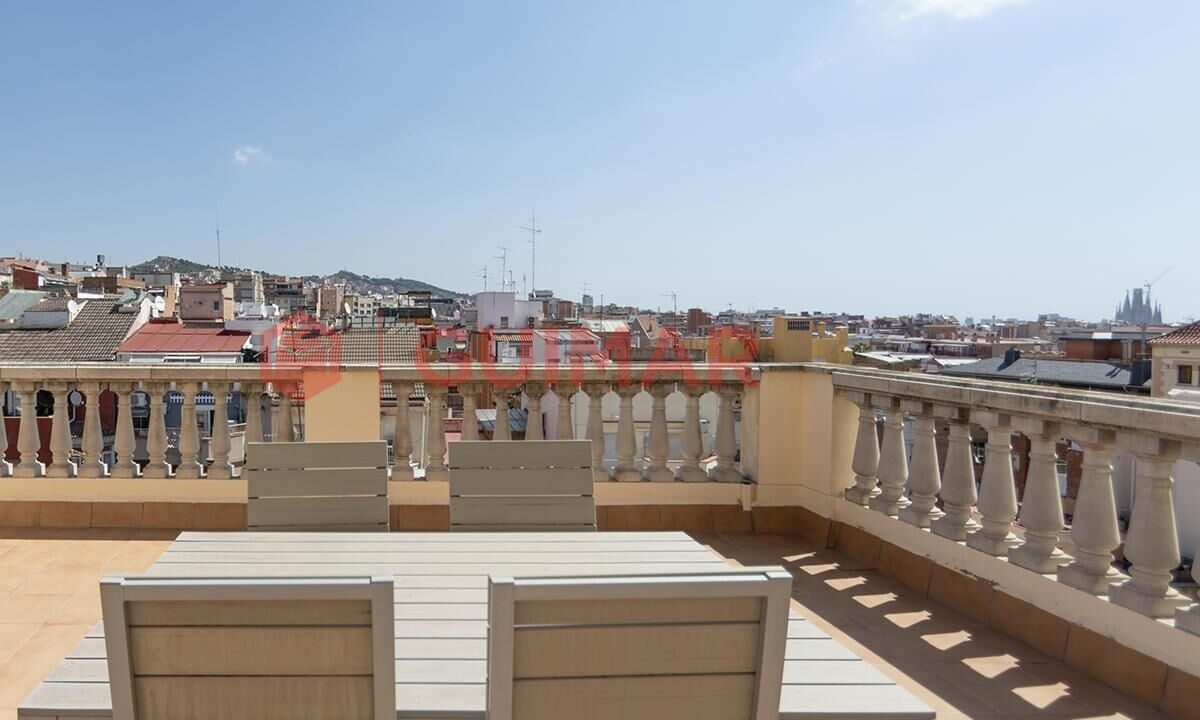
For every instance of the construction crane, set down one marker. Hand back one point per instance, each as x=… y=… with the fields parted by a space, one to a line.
x=674 y=301
x=1149 y=284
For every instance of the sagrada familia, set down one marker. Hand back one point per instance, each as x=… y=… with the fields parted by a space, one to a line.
x=1137 y=309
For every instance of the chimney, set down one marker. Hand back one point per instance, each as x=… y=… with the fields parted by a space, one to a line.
x=1011 y=355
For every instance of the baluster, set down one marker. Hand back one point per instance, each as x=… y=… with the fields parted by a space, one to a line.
x=284 y=427
x=219 y=445
x=1041 y=505
x=564 y=427
x=725 y=443
x=1095 y=532
x=500 y=400
x=658 y=444
x=533 y=427
x=60 y=433
x=692 y=444
x=1189 y=618
x=1151 y=545
x=470 y=422
x=866 y=452
x=626 y=468
x=435 y=434
x=124 y=441
x=997 y=489
x=595 y=427
x=893 y=462
x=958 y=479
x=92 y=445
x=29 y=440
x=402 y=433
x=252 y=394
x=156 y=434
x=5 y=468
x=924 y=477
x=189 y=434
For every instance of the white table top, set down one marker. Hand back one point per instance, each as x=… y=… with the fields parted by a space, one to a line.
x=441 y=614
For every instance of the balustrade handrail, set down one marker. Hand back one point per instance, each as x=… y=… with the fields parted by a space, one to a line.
x=1165 y=418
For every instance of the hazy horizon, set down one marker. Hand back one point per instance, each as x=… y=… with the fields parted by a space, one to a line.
x=971 y=157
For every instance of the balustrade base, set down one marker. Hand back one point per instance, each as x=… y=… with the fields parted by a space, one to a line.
x=859 y=496
x=401 y=472
x=887 y=506
x=1088 y=581
x=1155 y=606
x=90 y=471
x=920 y=518
x=725 y=475
x=24 y=471
x=60 y=471
x=437 y=474
x=997 y=547
x=660 y=474
x=945 y=527
x=1021 y=556
x=626 y=474
x=1188 y=619
x=692 y=474
x=5 y=469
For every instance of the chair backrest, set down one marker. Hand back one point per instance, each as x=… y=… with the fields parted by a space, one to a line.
x=521 y=485
x=250 y=649
x=694 y=647
x=317 y=486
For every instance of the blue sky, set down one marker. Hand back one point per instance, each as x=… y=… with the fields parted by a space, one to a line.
x=879 y=156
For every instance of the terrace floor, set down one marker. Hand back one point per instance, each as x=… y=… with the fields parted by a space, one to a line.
x=49 y=598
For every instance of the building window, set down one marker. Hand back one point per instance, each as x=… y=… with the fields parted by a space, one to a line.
x=503 y=321
x=797 y=325
x=1186 y=373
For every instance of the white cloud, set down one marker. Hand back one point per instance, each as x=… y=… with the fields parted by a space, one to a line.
x=246 y=154
x=957 y=9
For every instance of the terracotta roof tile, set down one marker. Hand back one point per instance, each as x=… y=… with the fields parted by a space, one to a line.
x=1186 y=335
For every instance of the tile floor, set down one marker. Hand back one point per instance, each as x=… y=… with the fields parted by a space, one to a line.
x=49 y=597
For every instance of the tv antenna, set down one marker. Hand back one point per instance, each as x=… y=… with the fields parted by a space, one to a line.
x=674 y=301
x=534 y=231
x=218 y=221
x=483 y=273
x=503 y=258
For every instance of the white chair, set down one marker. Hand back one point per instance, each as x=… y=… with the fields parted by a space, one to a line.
x=691 y=647
x=250 y=649
x=521 y=485
x=317 y=486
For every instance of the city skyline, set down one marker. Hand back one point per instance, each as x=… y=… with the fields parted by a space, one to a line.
x=973 y=157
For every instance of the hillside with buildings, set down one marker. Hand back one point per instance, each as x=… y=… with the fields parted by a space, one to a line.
x=353 y=282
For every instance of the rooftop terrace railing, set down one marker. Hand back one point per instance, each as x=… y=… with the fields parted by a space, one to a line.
x=944 y=495
x=271 y=398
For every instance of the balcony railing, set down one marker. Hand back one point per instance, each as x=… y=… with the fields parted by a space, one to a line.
x=270 y=397
x=943 y=494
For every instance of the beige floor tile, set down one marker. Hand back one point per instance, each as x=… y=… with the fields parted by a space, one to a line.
x=60 y=580
x=30 y=607
x=82 y=608
x=88 y=553
x=13 y=636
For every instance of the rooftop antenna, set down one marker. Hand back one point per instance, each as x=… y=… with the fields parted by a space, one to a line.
x=674 y=301
x=483 y=273
x=1149 y=284
x=534 y=231
x=503 y=258
x=523 y=288
x=218 y=216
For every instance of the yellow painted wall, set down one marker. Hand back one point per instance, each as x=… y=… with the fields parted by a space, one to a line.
x=813 y=343
x=341 y=404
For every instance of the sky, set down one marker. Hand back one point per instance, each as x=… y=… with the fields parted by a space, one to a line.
x=974 y=157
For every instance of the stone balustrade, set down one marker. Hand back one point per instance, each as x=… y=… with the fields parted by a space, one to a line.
x=906 y=421
x=270 y=403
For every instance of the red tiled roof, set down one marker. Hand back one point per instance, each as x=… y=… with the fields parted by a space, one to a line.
x=1186 y=335
x=175 y=337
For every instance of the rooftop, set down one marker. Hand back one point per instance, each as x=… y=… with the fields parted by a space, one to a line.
x=93 y=336
x=957 y=665
x=170 y=336
x=1076 y=373
x=1186 y=335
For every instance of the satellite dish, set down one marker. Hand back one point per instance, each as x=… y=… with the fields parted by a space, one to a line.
x=160 y=304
